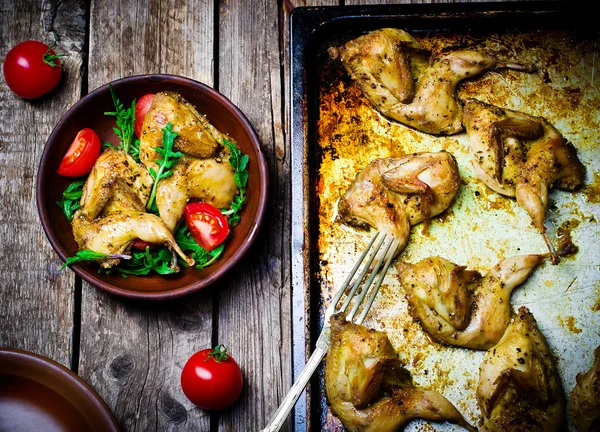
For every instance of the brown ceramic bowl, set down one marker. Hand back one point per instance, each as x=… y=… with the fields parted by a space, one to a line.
x=89 y=112
x=37 y=394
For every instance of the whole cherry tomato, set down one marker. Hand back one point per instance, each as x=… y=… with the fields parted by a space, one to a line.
x=81 y=155
x=141 y=109
x=32 y=69
x=207 y=224
x=211 y=379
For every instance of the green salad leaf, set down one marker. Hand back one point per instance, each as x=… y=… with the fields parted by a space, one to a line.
x=125 y=126
x=168 y=159
x=239 y=163
x=88 y=255
x=186 y=242
x=70 y=199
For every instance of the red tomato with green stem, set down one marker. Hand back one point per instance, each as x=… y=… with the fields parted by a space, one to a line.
x=212 y=379
x=81 y=155
x=207 y=224
x=32 y=69
x=142 y=107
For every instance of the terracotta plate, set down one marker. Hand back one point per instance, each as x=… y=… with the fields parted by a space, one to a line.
x=89 y=112
x=38 y=394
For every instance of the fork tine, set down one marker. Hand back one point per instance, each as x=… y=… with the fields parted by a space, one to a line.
x=371 y=298
x=361 y=277
x=342 y=289
x=369 y=281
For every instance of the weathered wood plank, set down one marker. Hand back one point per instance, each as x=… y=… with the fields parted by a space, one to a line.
x=36 y=299
x=133 y=352
x=255 y=306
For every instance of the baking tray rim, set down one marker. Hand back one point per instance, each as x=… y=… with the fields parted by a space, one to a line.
x=307 y=24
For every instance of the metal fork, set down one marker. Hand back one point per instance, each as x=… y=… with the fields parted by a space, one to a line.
x=322 y=345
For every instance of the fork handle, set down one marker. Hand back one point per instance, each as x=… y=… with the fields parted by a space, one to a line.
x=292 y=396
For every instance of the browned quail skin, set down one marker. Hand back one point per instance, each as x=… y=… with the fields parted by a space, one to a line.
x=369 y=390
x=380 y=63
x=394 y=193
x=519 y=386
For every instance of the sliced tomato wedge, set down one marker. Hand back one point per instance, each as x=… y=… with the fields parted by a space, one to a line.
x=81 y=155
x=142 y=245
x=207 y=224
x=141 y=109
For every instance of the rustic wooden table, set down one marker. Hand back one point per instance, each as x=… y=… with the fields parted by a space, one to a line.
x=132 y=352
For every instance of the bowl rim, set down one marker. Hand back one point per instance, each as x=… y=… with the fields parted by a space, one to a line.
x=211 y=278
x=32 y=361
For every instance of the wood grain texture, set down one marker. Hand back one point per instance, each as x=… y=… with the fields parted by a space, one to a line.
x=132 y=353
x=254 y=303
x=36 y=298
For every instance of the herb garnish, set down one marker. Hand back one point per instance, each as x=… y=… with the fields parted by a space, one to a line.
x=239 y=163
x=88 y=255
x=168 y=159
x=125 y=124
x=71 y=198
x=203 y=258
x=143 y=262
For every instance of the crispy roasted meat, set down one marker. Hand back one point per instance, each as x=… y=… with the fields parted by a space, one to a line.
x=519 y=387
x=116 y=183
x=380 y=63
x=196 y=136
x=112 y=209
x=516 y=154
x=202 y=173
x=369 y=390
x=210 y=180
x=584 y=404
x=392 y=194
x=459 y=307
x=114 y=233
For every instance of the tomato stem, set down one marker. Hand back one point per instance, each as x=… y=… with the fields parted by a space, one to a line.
x=49 y=59
x=219 y=354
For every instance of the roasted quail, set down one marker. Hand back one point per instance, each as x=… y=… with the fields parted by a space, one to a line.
x=112 y=209
x=584 y=405
x=369 y=390
x=202 y=173
x=394 y=193
x=519 y=387
x=380 y=63
x=516 y=154
x=459 y=307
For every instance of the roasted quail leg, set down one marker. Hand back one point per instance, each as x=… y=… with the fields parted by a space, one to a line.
x=113 y=234
x=459 y=307
x=394 y=193
x=551 y=161
x=584 y=405
x=519 y=387
x=369 y=390
x=516 y=154
x=379 y=63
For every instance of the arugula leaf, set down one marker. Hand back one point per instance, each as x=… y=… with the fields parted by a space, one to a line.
x=70 y=199
x=167 y=161
x=203 y=258
x=239 y=163
x=125 y=123
x=88 y=255
x=143 y=262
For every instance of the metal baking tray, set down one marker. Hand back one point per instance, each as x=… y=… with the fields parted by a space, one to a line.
x=335 y=132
